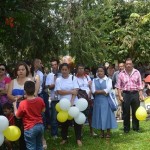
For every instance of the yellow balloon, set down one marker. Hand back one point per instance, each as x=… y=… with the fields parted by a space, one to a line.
x=70 y=117
x=62 y=116
x=147 y=100
x=141 y=113
x=57 y=107
x=12 y=133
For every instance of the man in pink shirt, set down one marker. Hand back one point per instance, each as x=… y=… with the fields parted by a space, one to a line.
x=129 y=87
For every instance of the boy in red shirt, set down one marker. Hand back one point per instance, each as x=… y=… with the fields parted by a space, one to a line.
x=30 y=110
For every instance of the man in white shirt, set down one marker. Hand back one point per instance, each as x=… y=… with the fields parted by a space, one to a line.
x=50 y=83
x=37 y=67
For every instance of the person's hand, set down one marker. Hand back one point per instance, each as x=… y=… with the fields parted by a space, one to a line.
x=121 y=98
x=106 y=94
x=72 y=102
x=1 y=91
x=90 y=83
x=74 y=92
x=141 y=97
x=19 y=98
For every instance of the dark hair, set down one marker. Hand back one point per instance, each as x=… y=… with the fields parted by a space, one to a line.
x=111 y=66
x=80 y=65
x=35 y=60
x=1 y=64
x=128 y=59
x=29 y=88
x=140 y=63
x=29 y=63
x=21 y=64
x=7 y=106
x=120 y=63
x=147 y=91
x=64 y=64
x=87 y=68
x=102 y=67
x=54 y=59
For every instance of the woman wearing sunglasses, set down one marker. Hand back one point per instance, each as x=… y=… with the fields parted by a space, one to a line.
x=4 y=81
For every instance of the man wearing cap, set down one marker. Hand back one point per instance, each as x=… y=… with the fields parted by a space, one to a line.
x=129 y=87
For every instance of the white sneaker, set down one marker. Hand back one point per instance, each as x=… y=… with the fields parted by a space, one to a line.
x=55 y=137
x=44 y=144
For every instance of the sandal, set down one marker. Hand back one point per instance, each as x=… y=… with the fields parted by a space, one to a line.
x=63 y=142
x=102 y=136
x=44 y=144
x=93 y=134
x=79 y=143
x=108 y=136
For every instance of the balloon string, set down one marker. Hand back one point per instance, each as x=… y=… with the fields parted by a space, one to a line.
x=11 y=118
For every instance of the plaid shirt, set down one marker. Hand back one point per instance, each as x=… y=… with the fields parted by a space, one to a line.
x=128 y=82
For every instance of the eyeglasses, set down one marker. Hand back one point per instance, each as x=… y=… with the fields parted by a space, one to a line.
x=2 y=69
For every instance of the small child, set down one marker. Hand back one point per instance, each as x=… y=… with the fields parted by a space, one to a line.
x=8 y=112
x=30 y=110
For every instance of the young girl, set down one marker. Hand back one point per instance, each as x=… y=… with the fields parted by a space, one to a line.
x=103 y=117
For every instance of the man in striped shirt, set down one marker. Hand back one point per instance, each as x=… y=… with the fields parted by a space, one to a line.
x=129 y=87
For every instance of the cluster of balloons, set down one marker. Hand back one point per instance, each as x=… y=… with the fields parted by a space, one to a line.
x=11 y=133
x=68 y=112
x=141 y=113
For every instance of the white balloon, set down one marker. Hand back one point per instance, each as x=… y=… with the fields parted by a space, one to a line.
x=82 y=104
x=64 y=104
x=80 y=119
x=1 y=139
x=73 y=111
x=4 y=123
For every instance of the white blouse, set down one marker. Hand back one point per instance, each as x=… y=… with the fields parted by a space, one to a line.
x=84 y=83
x=108 y=84
x=66 y=84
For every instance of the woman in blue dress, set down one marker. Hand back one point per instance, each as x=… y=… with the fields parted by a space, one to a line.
x=103 y=117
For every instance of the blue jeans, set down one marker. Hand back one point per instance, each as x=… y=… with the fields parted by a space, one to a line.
x=54 y=122
x=33 y=137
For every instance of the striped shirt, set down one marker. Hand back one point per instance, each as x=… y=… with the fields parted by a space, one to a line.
x=128 y=82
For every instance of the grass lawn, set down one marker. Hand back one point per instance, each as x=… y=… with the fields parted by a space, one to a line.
x=118 y=141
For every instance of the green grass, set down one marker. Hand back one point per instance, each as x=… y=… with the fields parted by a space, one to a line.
x=118 y=141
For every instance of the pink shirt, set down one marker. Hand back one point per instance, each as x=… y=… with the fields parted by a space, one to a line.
x=3 y=83
x=128 y=82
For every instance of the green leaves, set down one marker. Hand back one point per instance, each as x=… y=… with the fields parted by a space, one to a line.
x=91 y=31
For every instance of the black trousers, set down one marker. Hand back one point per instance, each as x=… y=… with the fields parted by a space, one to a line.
x=77 y=129
x=130 y=99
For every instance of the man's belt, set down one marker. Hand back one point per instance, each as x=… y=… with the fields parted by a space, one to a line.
x=131 y=92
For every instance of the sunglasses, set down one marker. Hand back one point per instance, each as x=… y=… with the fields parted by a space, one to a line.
x=2 y=69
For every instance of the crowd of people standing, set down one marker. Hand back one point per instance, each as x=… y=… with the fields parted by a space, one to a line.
x=31 y=88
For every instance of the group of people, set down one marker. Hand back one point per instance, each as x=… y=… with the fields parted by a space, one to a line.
x=27 y=97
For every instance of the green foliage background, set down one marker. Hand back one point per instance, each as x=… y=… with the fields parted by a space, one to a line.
x=92 y=31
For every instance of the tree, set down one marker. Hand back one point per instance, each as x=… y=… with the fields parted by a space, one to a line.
x=92 y=31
